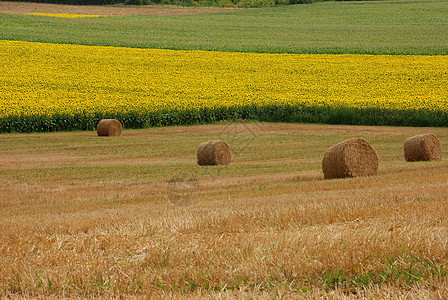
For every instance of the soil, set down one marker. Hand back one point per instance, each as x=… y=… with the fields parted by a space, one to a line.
x=108 y=10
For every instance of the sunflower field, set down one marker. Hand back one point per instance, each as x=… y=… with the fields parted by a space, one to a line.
x=70 y=16
x=50 y=87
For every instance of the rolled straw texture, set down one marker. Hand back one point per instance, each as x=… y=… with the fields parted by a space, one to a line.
x=351 y=158
x=213 y=153
x=422 y=147
x=109 y=127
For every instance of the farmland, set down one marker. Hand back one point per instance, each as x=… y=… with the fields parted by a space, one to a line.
x=136 y=216
x=371 y=27
x=66 y=87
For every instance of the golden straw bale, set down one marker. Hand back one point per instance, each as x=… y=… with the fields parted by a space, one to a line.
x=109 y=127
x=213 y=153
x=351 y=158
x=422 y=147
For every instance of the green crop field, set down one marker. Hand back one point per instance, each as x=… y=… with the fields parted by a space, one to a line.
x=392 y=27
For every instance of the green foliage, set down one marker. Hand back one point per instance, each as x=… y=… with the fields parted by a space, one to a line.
x=137 y=2
x=409 y=270
x=300 y=1
x=272 y=113
x=255 y=3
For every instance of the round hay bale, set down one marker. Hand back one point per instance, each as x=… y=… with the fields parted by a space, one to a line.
x=422 y=147
x=109 y=127
x=213 y=153
x=351 y=158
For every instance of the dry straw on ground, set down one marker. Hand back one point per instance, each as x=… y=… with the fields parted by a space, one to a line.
x=351 y=158
x=156 y=10
x=214 y=153
x=109 y=127
x=261 y=230
x=422 y=147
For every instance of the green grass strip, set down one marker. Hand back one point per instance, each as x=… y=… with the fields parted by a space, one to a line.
x=373 y=27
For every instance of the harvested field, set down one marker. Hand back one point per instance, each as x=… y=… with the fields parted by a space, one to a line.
x=27 y=8
x=136 y=215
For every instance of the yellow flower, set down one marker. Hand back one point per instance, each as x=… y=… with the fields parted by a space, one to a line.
x=71 y=16
x=48 y=79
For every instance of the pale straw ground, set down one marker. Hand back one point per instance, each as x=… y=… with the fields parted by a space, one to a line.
x=86 y=216
x=106 y=10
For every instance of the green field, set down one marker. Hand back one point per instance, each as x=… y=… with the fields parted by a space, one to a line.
x=393 y=27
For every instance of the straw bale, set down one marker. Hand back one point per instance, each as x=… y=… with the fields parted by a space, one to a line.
x=109 y=127
x=422 y=147
x=213 y=153
x=351 y=158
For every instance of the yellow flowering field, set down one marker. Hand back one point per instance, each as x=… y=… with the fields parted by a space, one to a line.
x=48 y=79
x=70 y=16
